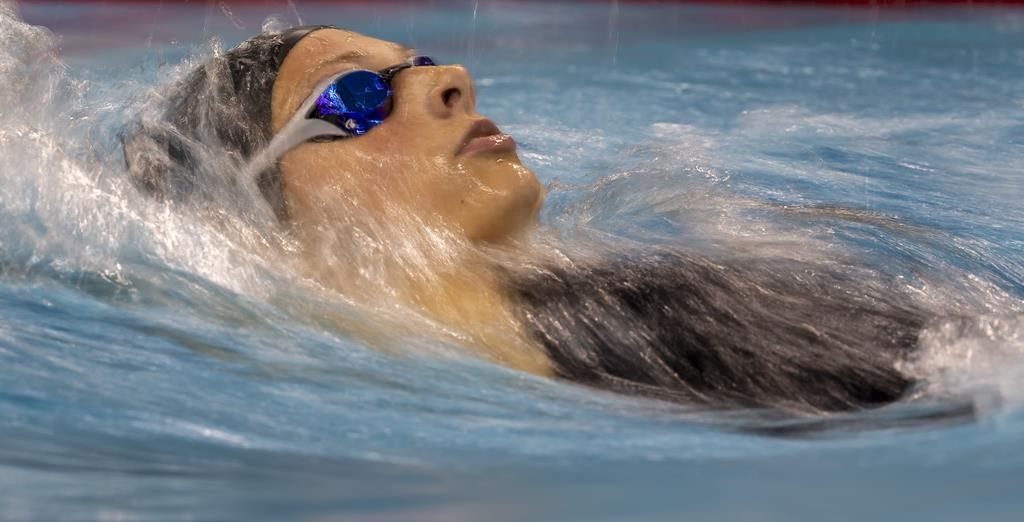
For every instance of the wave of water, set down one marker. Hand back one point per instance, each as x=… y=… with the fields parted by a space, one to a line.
x=158 y=364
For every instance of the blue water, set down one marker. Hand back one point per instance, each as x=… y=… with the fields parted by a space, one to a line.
x=157 y=367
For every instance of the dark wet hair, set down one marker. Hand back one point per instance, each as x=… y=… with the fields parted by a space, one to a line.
x=223 y=106
x=745 y=333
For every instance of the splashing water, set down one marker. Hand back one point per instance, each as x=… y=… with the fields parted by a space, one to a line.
x=161 y=362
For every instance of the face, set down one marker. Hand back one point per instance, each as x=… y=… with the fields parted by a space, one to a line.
x=434 y=157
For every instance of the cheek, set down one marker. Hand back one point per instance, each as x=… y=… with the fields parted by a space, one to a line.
x=415 y=173
x=368 y=175
x=384 y=173
x=433 y=186
x=322 y=180
x=495 y=198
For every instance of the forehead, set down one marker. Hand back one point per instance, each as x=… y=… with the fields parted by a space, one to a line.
x=327 y=44
x=320 y=54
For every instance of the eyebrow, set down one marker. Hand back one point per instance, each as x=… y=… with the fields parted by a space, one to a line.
x=343 y=57
x=348 y=56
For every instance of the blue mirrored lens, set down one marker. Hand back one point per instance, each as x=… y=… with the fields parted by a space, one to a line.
x=356 y=101
x=421 y=60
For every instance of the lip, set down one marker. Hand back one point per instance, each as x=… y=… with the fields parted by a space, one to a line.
x=484 y=135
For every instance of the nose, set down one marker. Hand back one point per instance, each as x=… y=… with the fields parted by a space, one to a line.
x=443 y=91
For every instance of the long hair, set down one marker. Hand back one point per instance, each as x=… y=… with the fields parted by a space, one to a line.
x=734 y=332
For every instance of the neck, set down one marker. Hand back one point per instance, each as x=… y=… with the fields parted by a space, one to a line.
x=471 y=299
x=462 y=292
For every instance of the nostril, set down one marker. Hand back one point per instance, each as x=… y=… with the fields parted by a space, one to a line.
x=451 y=96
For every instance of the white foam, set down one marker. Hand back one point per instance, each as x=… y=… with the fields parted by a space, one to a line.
x=978 y=356
x=66 y=199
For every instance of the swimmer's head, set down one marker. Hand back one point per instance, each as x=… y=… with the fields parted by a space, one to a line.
x=432 y=156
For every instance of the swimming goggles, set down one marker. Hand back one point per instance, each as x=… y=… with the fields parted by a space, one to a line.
x=344 y=105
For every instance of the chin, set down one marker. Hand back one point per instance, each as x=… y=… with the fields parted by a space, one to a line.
x=514 y=215
x=512 y=201
x=533 y=197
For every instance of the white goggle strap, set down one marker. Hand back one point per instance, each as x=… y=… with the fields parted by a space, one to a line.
x=297 y=131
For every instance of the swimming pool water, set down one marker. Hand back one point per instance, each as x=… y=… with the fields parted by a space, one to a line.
x=154 y=368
